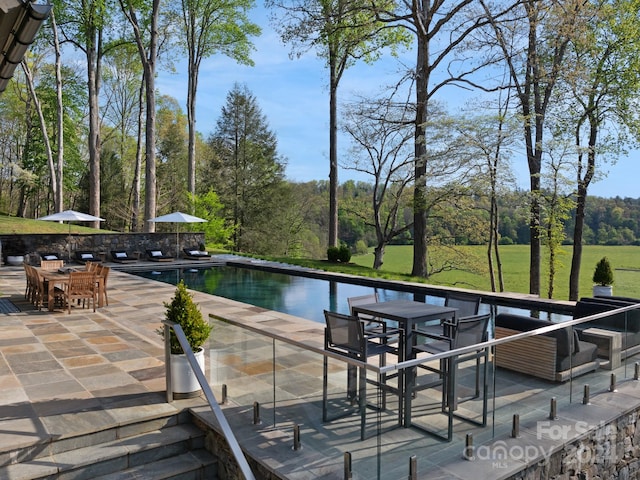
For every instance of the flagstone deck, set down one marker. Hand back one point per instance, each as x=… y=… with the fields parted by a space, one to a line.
x=61 y=374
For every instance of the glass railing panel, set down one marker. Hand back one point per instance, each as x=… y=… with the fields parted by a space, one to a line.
x=287 y=380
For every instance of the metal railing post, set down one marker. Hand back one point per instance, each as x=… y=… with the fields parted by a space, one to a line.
x=167 y=362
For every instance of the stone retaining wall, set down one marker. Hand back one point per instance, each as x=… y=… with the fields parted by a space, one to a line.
x=32 y=246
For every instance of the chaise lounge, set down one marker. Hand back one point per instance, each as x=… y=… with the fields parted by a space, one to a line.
x=156 y=255
x=86 y=256
x=121 y=256
x=195 y=254
x=556 y=356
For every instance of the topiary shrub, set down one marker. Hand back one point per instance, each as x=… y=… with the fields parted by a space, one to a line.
x=184 y=311
x=603 y=274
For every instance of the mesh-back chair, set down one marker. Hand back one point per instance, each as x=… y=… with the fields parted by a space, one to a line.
x=466 y=305
x=372 y=324
x=465 y=332
x=345 y=335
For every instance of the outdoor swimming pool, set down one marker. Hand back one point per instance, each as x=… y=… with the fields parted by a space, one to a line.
x=295 y=295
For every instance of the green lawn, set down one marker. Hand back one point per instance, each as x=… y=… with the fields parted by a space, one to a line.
x=625 y=260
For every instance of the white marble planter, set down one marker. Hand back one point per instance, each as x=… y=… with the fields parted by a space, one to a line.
x=183 y=381
x=602 y=290
x=15 y=260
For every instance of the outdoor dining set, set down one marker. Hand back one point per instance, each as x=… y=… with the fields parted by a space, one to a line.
x=408 y=330
x=57 y=286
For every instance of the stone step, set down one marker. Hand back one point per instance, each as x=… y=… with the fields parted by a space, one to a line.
x=85 y=437
x=195 y=465
x=137 y=451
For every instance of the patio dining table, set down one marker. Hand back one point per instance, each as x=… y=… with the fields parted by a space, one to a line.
x=61 y=278
x=408 y=314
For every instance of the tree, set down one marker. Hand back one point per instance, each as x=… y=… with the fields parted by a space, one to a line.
x=342 y=31
x=83 y=25
x=491 y=137
x=556 y=208
x=147 y=43
x=246 y=163
x=123 y=89
x=211 y=27
x=602 y=92
x=381 y=136
x=533 y=39
x=440 y=30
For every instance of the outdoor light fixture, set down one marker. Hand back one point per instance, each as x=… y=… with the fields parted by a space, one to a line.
x=19 y=24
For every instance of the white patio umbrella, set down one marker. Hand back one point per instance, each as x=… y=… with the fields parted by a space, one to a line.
x=71 y=216
x=177 y=218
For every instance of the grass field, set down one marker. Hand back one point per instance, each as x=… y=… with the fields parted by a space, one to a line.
x=625 y=260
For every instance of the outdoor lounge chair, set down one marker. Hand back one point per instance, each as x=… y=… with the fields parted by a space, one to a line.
x=156 y=255
x=120 y=256
x=50 y=256
x=195 y=254
x=86 y=256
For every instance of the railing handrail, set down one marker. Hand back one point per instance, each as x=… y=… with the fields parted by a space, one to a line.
x=449 y=353
x=231 y=439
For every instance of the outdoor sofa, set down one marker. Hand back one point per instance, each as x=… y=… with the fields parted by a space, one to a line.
x=556 y=356
x=626 y=324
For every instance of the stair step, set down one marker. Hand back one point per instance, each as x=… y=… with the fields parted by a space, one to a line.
x=94 y=460
x=54 y=446
x=194 y=465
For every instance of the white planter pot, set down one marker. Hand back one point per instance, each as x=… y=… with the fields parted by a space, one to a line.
x=183 y=381
x=602 y=290
x=15 y=260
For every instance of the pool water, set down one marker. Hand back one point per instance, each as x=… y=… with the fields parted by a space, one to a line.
x=300 y=296
x=295 y=295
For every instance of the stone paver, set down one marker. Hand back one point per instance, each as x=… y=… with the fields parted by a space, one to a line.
x=61 y=375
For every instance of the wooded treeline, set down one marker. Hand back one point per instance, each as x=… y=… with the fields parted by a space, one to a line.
x=555 y=82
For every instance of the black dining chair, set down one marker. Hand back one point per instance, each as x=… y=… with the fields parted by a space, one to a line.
x=373 y=324
x=345 y=335
x=466 y=305
x=464 y=332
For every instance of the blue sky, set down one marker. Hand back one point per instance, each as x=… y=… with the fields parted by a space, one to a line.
x=293 y=95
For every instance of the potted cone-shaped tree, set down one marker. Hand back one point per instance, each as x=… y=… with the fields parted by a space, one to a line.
x=603 y=278
x=185 y=312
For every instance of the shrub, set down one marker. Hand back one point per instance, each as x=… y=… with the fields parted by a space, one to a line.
x=344 y=254
x=184 y=311
x=332 y=254
x=361 y=247
x=340 y=254
x=603 y=274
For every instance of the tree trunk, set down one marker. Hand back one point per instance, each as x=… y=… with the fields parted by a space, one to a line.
x=378 y=256
x=135 y=185
x=333 y=153
x=43 y=126
x=420 y=169
x=192 y=87
x=93 y=71
x=59 y=173
x=581 y=205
